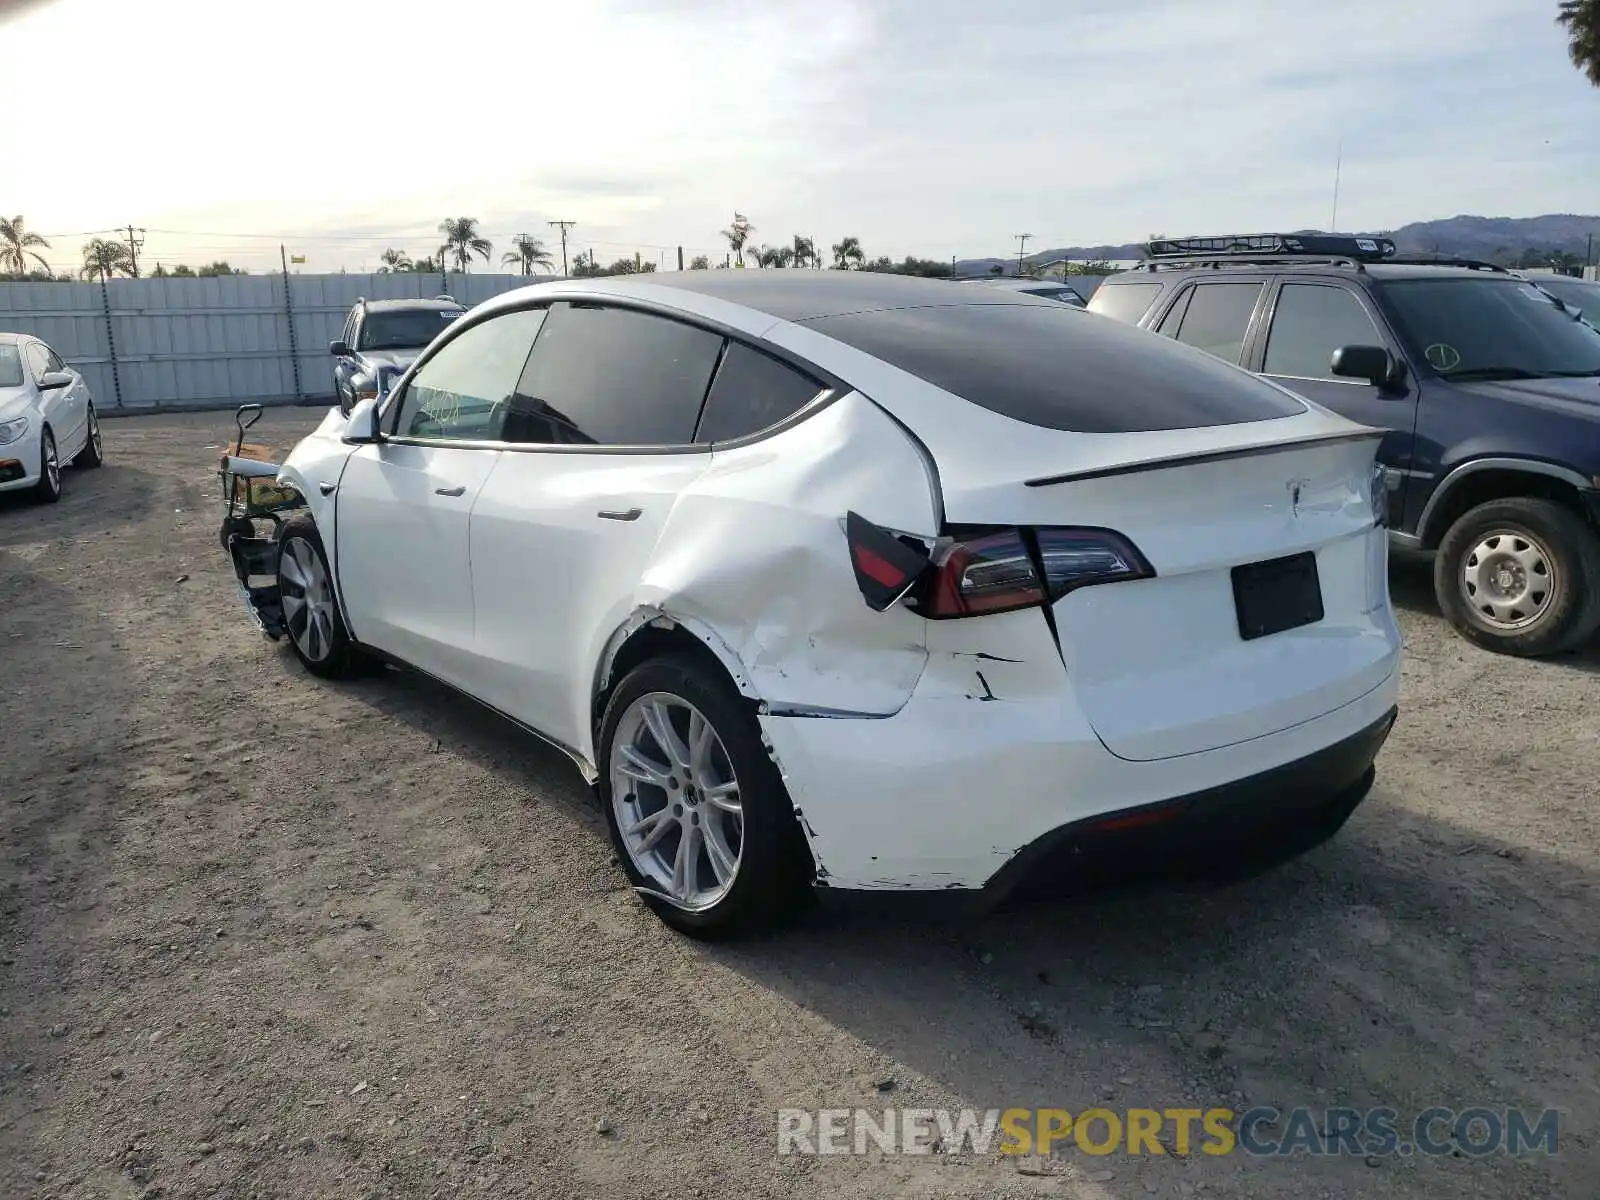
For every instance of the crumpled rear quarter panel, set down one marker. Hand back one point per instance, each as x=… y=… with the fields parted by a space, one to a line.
x=755 y=550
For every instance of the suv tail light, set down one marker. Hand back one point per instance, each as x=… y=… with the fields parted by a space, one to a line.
x=991 y=572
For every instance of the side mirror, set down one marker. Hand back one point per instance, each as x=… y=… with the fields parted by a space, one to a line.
x=361 y=427
x=339 y=349
x=1374 y=364
x=50 y=380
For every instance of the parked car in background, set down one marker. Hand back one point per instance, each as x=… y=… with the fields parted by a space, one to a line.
x=47 y=418
x=862 y=582
x=384 y=333
x=1488 y=390
x=1580 y=295
x=1043 y=288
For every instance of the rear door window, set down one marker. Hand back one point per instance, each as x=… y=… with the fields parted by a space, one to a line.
x=1124 y=302
x=1059 y=367
x=753 y=391
x=613 y=377
x=1218 y=318
x=1309 y=322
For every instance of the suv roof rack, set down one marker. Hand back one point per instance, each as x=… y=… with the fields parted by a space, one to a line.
x=1335 y=249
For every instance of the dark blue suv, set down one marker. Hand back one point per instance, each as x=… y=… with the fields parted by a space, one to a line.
x=1488 y=386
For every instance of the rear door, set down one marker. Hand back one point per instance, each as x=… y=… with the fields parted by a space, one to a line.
x=404 y=504
x=603 y=423
x=1307 y=321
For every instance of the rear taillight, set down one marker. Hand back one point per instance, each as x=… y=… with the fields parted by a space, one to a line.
x=987 y=571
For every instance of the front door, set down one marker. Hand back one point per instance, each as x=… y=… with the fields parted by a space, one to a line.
x=1307 y=323
x=603 y=425
x=404 y=505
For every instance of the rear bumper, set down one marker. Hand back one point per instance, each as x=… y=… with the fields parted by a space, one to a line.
x=992 y=755
x=1221 y=832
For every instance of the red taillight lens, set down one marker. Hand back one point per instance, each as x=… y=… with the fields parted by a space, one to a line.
x=986 y=575
x=1020 y=568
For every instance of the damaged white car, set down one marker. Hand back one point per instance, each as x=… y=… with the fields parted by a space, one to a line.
x=861 y=582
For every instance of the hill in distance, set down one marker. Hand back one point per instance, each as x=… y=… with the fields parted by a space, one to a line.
x=1489 y=238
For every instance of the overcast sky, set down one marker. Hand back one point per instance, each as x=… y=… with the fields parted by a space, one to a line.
x=928 y=127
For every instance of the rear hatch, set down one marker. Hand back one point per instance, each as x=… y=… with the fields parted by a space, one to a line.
x=1268 y=607
x=1268 y=601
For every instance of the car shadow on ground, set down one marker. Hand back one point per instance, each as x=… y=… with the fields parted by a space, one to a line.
x=1351 y=976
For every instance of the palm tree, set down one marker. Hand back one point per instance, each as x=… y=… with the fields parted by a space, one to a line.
x=105 y=259
x=462 y=240
x=394 y=260
x=530 y=252
x=847 y=255
x=1582 y=19
x=15 y=243
x=804 y=253
x=737 y=235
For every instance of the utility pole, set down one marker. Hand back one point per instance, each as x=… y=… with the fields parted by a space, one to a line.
x=680 y=258
x=952 y=266
x=1022 y=245
x=564 y=226
x=1338 y=169
x=135 y=244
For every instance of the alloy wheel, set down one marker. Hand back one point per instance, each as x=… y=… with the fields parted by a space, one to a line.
x=52 y=462
x=675 y=798
x=307 y=597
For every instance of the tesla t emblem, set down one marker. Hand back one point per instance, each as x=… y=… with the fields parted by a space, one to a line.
x=1295 y=487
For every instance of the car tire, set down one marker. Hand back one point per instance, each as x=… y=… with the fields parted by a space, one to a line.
x=315 y=625
x=771 y=866
x=1520 y=577
x=93 y=453
x=48 y=489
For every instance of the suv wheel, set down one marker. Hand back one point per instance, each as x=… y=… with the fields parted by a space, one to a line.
x=697 y=812
x=1520 y=576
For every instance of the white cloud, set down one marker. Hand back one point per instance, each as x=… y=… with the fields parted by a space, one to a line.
x=923 y=126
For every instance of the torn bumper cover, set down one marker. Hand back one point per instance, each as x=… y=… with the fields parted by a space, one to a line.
x=988 y=795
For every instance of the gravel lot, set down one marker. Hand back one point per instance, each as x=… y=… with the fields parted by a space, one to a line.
x=262 y=935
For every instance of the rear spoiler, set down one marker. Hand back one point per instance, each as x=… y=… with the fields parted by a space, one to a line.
x=1184 y=460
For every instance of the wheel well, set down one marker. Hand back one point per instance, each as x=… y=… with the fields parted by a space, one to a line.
x=1480 y=487
x=654 y=641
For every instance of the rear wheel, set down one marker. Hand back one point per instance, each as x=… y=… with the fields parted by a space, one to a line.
x=310 y=605
x=1520 y=576
x=93 y=452
x=48 y=489
x=698 y=814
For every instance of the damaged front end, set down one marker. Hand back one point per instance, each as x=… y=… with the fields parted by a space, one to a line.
x=252 y=496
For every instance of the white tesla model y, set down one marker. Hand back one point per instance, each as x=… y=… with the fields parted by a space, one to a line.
x=862 y=582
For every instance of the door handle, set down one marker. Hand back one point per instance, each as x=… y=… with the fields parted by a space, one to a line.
x=631 y=514
x=459 y=490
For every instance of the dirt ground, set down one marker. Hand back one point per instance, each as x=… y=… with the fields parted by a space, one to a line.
x=262 y=935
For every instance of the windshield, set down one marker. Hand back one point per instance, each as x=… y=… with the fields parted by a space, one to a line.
x=405 y=329
x=10 y=365
x=1480 y=328
x=1064 y=294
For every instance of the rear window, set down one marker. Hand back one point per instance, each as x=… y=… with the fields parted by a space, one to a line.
x=1124 y=301
x=1057 y=367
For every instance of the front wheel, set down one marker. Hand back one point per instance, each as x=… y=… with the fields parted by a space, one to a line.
x=698 y=814
x=48 y=489
x=93 y=452
x=1520 y=576
x=311 y=613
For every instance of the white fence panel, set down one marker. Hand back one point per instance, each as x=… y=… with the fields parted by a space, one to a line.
x=216 y=342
